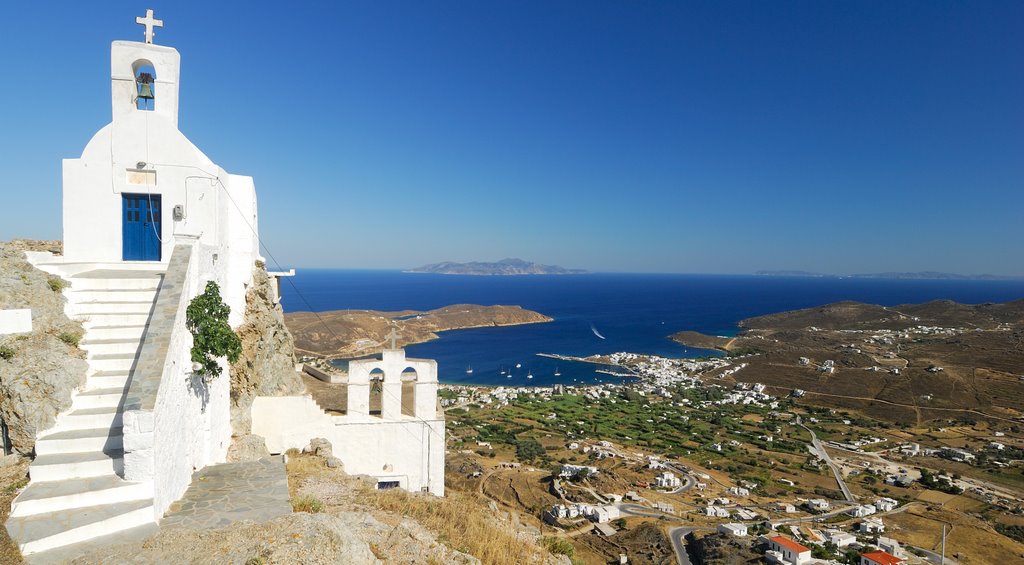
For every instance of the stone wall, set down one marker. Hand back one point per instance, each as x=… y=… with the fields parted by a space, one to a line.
x=267 y=364
x=36 y=383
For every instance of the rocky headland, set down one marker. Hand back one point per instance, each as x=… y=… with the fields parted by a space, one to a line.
x=349 y=333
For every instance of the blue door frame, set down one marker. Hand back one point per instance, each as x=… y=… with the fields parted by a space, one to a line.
x=141 y=224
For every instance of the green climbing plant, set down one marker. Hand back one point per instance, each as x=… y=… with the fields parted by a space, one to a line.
x=212 y=337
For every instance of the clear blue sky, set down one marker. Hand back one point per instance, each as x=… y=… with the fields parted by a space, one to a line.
x=719 y=137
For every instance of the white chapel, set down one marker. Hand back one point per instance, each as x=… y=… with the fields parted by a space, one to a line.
x=148 y=221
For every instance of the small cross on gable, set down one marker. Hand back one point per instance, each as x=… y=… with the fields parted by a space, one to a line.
x=150 y=23
x=393 y=336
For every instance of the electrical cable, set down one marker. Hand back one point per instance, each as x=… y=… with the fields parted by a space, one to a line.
x=263 y=245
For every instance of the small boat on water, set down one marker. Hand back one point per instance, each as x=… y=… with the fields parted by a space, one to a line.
x=469 y=370
x=529 y=375
x=557 y=373
x=519 y=365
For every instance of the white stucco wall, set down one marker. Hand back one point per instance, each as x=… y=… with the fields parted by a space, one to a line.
x=189 y=426
x=408 y=450
x=192 y=425
x=392 y=446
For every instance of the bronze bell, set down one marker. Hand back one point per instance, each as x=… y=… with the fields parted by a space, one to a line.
x=146 y=91
x=145 y=81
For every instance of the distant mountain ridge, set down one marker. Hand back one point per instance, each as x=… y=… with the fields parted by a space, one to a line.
x=921 y=275
x=789 y=274
x=503 y=267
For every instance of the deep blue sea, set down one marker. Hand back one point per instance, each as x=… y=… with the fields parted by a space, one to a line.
x=633 y=312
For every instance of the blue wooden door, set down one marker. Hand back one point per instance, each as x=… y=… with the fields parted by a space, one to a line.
x=140 y=232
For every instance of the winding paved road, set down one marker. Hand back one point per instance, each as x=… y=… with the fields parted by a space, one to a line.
x=678 y=537
x=820 y=450
x=639 y=510
x=688 y=481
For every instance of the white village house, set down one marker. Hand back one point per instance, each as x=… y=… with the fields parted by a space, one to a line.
x=148 y=220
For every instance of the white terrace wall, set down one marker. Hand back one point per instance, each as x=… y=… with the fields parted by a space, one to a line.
x=174 y=422
x=409 y=449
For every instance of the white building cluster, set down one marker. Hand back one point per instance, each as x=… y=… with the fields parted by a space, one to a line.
x=595 y=513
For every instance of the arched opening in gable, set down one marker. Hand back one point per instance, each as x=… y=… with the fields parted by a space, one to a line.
x=145 y=85
x=377 y=393
x=409 y=378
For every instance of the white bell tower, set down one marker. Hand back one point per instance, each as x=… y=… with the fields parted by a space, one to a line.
x=127 y=60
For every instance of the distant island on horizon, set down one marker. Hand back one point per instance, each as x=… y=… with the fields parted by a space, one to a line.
x=505 y=267
x=920 y=275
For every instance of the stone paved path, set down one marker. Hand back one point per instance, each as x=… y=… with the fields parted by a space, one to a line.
x=223 y=494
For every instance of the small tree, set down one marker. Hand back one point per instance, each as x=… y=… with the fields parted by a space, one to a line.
x=207 y=318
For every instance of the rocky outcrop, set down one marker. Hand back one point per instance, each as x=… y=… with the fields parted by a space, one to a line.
x=266 y=366
x=247 y=447
x=349 y=538
x=322 y=448
x=38 y=370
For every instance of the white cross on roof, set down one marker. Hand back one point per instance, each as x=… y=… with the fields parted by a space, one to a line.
x=393 y=336
x=150 y=23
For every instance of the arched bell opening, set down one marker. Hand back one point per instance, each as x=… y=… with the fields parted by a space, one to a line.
x=145 y=85
x=409 y=378
x=377 y=393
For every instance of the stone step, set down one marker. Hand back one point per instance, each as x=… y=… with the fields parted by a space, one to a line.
x=86 y=308
x=109 y=346
x=112 y=361
x=112 y=295
x=88 y=418
x=116 y=332
x=50 y=530
x=102 y=319
x=66 y=554
x=64 y=466
x=107 y=379
x=39 y=497
x=117 y=280
x=78 y=441
x=98 y=398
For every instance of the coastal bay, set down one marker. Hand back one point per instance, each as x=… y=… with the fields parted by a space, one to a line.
x=635 y=313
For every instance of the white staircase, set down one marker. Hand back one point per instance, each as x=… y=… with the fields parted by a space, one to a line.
x=76 y=491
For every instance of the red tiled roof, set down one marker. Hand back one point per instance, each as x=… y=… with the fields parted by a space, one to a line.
x=883 y=558
x=789 y=544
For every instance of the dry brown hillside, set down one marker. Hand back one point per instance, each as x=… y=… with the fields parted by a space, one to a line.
x=909 y=363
